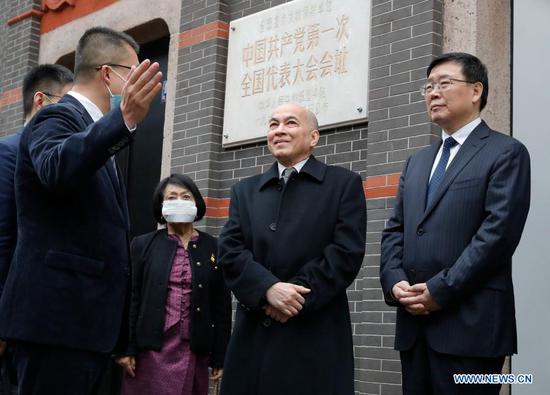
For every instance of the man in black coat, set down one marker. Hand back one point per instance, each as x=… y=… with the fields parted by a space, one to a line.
x=294 y=242
x=446 y=258
x=62 y=304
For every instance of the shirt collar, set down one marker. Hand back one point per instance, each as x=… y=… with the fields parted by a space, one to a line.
x=462 y=134
x=313 y=168
x=88 y=105
x=298 y=166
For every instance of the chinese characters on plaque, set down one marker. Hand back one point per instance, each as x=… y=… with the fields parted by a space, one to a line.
x=314 y=52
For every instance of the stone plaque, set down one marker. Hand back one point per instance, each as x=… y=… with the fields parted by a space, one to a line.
x=313 y=52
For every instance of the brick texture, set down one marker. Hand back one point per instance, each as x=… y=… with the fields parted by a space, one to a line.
x=19 y=45
x=216 y=29
x=406 y=36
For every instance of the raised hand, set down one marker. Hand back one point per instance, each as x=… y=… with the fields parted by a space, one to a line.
x=143 y=84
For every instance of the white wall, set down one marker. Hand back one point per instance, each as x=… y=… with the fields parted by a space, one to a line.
x=531 y=125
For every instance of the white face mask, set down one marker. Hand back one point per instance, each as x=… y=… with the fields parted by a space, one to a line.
x=179 y=211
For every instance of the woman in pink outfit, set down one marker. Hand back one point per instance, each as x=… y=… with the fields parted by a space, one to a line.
x=180 y=312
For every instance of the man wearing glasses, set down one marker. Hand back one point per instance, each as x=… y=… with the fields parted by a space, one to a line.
x=63 y=300
x=447 y=249
x=42 y=85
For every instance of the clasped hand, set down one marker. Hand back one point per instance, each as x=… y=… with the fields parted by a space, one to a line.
x=285 y=301
x=416 y=299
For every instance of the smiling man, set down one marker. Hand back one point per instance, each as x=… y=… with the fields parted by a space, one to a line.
x=446 y=258
x=294 y=242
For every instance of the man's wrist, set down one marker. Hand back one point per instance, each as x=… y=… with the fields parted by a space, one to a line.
x=390 y=296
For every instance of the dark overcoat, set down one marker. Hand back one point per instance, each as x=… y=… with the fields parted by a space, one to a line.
x=311 y=232
x=460 y=245
x=68 y=279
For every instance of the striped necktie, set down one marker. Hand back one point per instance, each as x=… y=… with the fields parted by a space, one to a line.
x=439 y=171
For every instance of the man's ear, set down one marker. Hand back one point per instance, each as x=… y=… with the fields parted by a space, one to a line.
x=38 y=100
x=105 y=74
x=477 y=92
x=314 y=137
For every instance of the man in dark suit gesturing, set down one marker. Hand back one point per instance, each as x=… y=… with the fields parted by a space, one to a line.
x=447 y=249
x=294 y=242
x=63 y=301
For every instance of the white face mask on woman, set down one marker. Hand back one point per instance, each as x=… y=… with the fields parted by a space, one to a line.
x=179 y=211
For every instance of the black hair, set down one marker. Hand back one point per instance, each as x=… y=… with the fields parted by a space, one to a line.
x=97 y=46
x=472 y=68
x=183 y=181
x=48 y=78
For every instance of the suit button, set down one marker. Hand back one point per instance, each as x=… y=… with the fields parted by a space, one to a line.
x=420 y=232
x=273 y=226
x=267 y=322
x=198 y=263
x=198 y=309
x=200 y=285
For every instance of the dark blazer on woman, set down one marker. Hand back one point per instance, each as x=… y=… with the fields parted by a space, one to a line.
x=152 y=255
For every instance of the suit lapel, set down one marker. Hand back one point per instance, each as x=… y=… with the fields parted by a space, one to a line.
x=469 y=149
x=118 y=187
x=424 y=179
x=121 y=194
x=116 y=183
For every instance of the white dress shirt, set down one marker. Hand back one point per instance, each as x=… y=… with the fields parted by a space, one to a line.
x=460 y=137
x=298 y=166
x=93 y=110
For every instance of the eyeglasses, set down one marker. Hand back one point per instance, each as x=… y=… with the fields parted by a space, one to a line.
x=113 y=65
x=442 y=85
x=51 y=95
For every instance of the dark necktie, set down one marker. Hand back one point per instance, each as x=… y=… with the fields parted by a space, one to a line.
x=287 y=173
x=439 y=171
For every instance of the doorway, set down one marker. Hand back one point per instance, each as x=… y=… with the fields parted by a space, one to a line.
x=140 y=164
